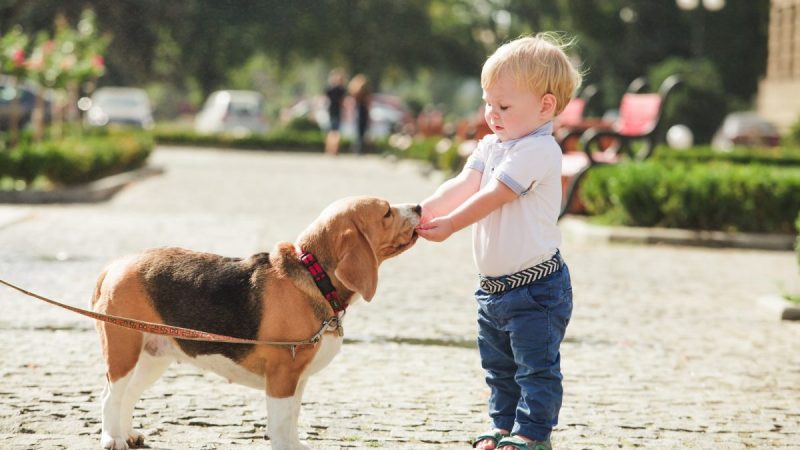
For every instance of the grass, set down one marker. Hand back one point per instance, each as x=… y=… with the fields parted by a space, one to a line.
x=793 y=298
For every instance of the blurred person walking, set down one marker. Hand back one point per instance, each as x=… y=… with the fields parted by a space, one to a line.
x=335 y=92
x=359 y=89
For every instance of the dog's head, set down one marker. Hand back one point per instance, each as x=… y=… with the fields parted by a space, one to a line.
x=356 y=234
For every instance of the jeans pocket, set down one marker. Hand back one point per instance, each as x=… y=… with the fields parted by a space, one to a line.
x=547 y=293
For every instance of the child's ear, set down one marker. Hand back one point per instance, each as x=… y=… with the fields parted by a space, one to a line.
x=549 y=104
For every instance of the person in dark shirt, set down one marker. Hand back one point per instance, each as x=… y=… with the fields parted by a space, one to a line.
x=336 y=93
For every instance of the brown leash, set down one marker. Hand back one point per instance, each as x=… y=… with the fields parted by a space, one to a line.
x=331 y=324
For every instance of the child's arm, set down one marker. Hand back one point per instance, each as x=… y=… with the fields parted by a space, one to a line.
x=475 y=208
x=451 y=194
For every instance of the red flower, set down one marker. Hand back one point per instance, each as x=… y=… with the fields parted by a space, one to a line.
x=18 y=57
x=98 y=62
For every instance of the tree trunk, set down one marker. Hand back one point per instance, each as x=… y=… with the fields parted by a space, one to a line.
x=37 y=117
x=13 y=126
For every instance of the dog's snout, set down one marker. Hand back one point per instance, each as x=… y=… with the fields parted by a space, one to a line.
x=418 y=210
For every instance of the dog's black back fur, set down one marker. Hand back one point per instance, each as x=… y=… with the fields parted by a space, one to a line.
x=209 y=293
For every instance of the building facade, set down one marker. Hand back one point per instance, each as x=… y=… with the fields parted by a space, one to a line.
x=779 y=91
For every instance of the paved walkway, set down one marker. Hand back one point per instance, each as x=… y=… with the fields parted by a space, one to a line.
x=668 y=347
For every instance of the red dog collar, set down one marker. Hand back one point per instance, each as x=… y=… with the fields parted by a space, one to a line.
x=323 y=281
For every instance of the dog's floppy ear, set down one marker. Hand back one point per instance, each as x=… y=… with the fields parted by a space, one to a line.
x=358 y=267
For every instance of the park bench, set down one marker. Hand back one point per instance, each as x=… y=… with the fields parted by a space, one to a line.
x=639 y=121
x=573 y=121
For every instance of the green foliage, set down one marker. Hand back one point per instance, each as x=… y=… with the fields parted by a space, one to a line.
x=793 y=138
x=441 y=153
x=450 y=161
x=76 y=159
x=282 y=139
x=303 y=124
x=797 y=245
x=700 y=102
x=714 y=196
x=423 y=149
x=778 y=156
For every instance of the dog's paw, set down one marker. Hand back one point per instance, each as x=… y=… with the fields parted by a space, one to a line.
x=297 y=445
x=110 y=443
x=135 y=439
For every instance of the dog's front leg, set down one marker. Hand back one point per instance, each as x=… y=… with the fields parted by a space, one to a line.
x=284 y=393
x=282 y=425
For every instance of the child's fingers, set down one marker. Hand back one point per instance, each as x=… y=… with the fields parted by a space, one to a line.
x=425 y=233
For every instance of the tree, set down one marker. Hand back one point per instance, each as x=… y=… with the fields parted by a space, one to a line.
x=12 y=61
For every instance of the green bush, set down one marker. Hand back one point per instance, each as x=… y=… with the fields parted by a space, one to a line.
x=778 y=156
x=76 y=159
x=303 y=124
x=440 y=152
x=797 y=245
x=793 y=138
x=450 y=161
x=715 y=196
x=282 y=139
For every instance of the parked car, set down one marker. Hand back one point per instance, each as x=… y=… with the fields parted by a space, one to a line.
x=120 y=105
x=236 y=112
x=745 y=128
x=27 y=100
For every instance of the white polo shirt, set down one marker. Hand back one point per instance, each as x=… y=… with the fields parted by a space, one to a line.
x=523 y=232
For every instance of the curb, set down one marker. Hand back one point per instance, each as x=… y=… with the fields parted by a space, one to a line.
x=783 y=308
x=96 y=191
x=581 y=229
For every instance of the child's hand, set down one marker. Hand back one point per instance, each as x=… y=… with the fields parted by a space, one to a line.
x=436 y=230
x=427 y=215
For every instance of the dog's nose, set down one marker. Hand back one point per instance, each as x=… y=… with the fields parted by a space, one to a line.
x=418 y=210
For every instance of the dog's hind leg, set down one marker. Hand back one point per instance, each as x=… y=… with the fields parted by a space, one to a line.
x=113 y=395
x=148 y=369
x=122 y=349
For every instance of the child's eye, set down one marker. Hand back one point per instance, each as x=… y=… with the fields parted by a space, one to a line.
x=503 y=108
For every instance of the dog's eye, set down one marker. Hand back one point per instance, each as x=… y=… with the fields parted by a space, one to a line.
x=388 y=214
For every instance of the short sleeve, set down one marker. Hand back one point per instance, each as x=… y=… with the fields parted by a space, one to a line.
x=526 y=164
x=477 y=160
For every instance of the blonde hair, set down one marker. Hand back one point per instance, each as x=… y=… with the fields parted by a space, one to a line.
x=538 y=63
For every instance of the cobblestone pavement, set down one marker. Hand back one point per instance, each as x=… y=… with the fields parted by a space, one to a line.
x=668 y=347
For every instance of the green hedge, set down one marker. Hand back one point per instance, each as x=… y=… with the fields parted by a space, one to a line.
x=282 y=139
x=714 y=196
x=797 y=245
x=440 y=152
x=778 y=156
x=76 y=159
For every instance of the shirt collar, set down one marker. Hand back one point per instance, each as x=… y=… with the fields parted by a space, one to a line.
x=544 y=130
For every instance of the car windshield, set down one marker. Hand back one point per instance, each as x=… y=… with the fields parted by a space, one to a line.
x=120 y=102
x=244 y=109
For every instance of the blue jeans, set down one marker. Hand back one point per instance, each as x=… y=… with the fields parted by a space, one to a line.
x=519 y=335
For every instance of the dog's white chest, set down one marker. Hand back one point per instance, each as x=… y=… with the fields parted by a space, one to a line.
x=329 y=346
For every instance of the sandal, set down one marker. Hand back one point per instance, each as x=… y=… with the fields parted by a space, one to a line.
x=521 y=444
x=493 y=436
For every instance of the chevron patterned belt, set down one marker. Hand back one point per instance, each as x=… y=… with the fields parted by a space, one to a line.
x=494 y=285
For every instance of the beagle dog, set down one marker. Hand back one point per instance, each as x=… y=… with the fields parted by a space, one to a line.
x=268 y=296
